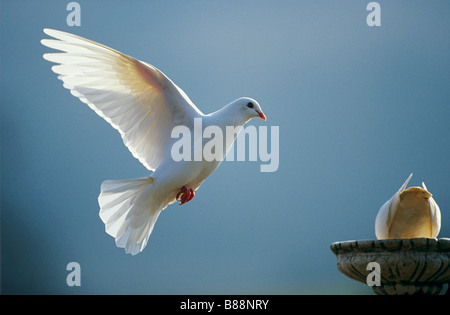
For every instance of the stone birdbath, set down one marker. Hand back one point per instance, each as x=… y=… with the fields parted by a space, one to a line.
x=406 y=266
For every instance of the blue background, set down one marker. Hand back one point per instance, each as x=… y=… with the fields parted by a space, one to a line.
x=359 y=108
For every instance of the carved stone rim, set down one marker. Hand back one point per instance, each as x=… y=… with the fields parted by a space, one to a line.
x=391 y=245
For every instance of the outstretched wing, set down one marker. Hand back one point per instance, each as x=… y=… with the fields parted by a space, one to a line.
x=134 y=97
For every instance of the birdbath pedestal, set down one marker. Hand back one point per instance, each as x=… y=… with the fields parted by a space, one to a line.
x=406 y=266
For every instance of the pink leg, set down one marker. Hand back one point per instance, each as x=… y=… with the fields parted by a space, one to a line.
x=191 y=195
x=185 y=194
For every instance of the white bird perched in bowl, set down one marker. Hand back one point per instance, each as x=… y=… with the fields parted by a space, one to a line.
x=144 y=105
x=410 y=213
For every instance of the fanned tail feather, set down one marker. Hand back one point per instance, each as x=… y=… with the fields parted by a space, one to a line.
x=128 y=212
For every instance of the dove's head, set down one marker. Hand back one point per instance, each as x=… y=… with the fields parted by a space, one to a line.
x=248 y=108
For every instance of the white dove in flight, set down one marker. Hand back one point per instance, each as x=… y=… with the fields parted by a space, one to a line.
x=144 y=105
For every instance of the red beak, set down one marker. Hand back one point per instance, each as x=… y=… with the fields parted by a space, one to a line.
x=261 y=114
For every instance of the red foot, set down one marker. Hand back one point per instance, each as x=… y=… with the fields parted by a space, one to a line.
x=185 y=194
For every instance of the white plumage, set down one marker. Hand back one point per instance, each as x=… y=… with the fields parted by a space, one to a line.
x=410 y=213
x=145 y=106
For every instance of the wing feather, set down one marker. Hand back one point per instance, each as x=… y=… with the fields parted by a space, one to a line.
x=136 y=98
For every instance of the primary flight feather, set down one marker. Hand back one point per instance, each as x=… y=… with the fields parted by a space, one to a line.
x=144 y=105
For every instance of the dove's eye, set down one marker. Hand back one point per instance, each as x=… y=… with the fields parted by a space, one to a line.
x=250 y=105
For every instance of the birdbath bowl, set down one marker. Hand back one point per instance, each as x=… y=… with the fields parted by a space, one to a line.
x=406 y=266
